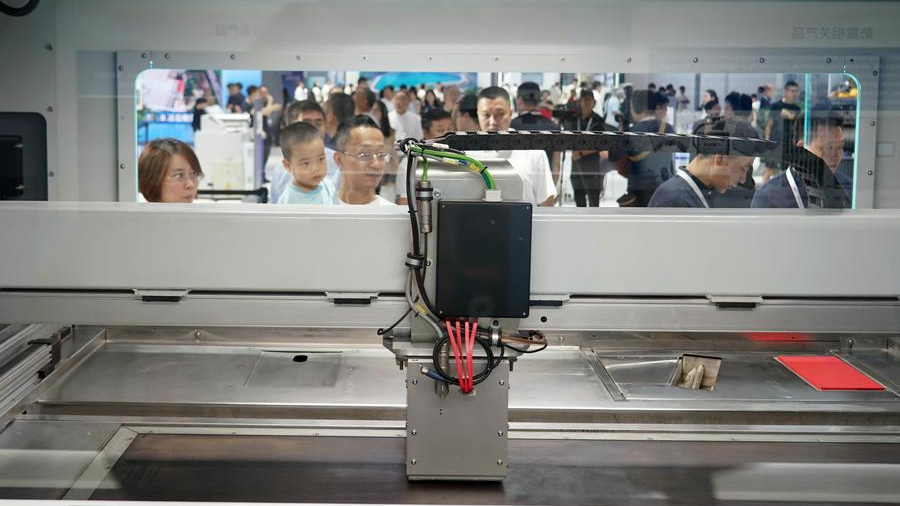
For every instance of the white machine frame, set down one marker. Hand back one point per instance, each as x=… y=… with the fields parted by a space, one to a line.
x=677 y=280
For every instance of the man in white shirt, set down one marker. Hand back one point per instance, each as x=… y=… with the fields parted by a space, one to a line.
x=406 y=123
x=360 y=157
x=495 y=113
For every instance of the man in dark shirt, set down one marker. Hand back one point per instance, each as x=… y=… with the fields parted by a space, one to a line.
x=648 y=169
x=826 y=142
x=528 y=101
x=587 y=174
x=235 y=97
x=705 y=180
x=782 y=116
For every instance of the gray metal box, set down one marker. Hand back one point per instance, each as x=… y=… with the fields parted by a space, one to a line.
x=458 y=437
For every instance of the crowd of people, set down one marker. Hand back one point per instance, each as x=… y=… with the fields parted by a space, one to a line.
x=337 y=148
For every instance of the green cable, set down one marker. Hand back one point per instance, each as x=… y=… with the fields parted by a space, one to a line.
x=424 y=169
x=441 y=155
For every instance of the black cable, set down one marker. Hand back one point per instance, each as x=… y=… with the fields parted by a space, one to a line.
x=18 y=12
x=414 y=224
x=542 y=348
x=385 y=331
x=489 y=365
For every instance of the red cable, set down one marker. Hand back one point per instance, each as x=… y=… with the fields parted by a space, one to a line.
x=462 y=351
x=456 y=351
x=470 y=348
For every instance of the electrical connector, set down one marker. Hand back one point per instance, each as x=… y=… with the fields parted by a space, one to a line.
x=492 y=195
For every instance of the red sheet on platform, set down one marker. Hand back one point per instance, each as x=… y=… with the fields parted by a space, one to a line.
x=828 y=373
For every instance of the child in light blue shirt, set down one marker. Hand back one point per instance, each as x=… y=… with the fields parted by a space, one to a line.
x=304 y=158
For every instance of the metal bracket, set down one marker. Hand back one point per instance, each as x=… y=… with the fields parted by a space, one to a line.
x=356 y=298
x=735 y=301
x=160 y=295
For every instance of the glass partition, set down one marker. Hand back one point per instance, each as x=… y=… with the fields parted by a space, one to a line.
x=233 y=121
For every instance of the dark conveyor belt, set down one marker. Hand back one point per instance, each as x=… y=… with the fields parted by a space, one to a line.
x=370 y=470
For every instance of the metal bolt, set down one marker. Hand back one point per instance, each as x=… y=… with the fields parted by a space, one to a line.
x=49 y=108
x=496 y=58
x=499 y=462
x=365 y=57
x=827 y=60
x=233 y=56
x=500 y=433
x=415 y=381
x=502 y=383
x=628 y=60
x=50 y=174
x=430 y=58
x=414 y=432
x=762 y=60
x=562 y=58
x=167 y=56
x=197 y=334
x=850 y=343
x=872 y=123
x=412 y=461
x=298 y=57
x=874 y=72
x=144 y=55
x=121 y=68
x=122 y=166
x=695 y=59
x=49 y=47
x=870 y=172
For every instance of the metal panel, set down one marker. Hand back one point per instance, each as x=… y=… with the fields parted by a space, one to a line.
x=619 y=253
x=444 y=440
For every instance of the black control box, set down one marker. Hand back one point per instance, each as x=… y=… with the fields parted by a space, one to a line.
x=483 y=259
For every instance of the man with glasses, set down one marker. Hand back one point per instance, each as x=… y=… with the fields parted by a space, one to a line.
x=495 y=113
x=361 y=158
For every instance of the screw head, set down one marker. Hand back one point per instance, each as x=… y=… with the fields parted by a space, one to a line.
x=143 y=55
x=298 y=57
x=496 y=58
x=827 y=60
x=412 y=461
x=872 y=123
x=628 y=60
x=415 y=381
x=365 y=57
x=121 y=68
x=430 y=58
x=762 y=60
x=870 y=172
x=874 y=72
x=50 y=174
x=500 y=433
x=122 y=166
x=502 y=383
x=499 y=462
x=695 y=59
x=49 y=47
x=562 y=58
x=414 y=432
x=167 y=56
x=49 y=108
x=233 y=56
